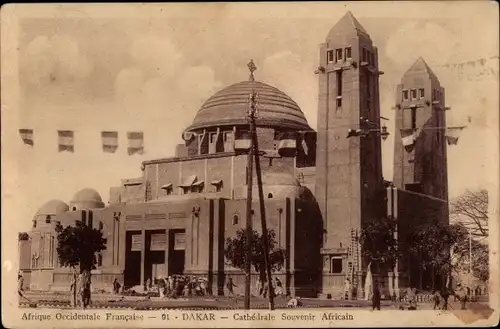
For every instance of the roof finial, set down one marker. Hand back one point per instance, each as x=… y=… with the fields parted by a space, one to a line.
x=251 y=68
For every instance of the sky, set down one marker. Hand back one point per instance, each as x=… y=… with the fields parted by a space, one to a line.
x=149 y=68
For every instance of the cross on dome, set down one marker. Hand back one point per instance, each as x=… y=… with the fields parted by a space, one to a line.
x=252 y=68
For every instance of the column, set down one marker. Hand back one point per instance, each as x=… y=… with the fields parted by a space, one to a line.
x=167 y=248
x=143 y=255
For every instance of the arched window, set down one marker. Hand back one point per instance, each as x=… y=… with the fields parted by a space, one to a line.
x=236 y=219
x=270 y=196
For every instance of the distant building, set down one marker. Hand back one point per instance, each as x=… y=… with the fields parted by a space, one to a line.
x=319 y=188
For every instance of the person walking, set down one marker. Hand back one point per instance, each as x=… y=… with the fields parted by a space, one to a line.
x=161 y=287
x=259 y=287
x=279 y=287
x=116 y=286
x=230 y=285
x=376 y=296
x=461 y=294
x=437 y=299
x=347 y=289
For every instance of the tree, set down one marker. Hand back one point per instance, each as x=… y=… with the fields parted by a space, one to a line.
x=236 y=255
x=76 y=248
x=461 y=253
x=23 y=236
x=430 y=243
x=445 y=248
x=379 y=243
x=471 y=209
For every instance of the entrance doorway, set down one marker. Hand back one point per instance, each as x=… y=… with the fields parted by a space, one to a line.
x=154 y=262
x=176 y=249
x=133 y=246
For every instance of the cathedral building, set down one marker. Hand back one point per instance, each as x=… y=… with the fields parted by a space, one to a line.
x=320 y=187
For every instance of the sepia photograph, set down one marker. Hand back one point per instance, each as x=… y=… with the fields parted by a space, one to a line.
x=263 y=164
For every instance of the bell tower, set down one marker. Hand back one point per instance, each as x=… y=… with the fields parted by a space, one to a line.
x=420 y=163
x=348 y=170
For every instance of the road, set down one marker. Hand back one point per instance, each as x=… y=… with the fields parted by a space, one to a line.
x=43 y=300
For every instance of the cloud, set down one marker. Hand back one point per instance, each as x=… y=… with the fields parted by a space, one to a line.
x=57 y=60
x=156 y=54
x=429 y=40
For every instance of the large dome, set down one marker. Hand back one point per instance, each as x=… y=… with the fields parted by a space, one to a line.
x=53 y=207
x=86 y=199
x=230 y=105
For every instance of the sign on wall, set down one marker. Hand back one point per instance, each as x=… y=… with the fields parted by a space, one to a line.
x=136 y=242
x=158 y=242
x=180 y=241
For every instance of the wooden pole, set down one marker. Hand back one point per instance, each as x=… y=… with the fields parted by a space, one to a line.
x=249 y=230
x=264 y=224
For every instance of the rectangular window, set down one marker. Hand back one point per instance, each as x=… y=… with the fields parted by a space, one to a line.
x=434 y=94
x=339 y=54
x=218 y=188
x=413 y=118
x=413 y=94
x=339 y=102
x=336 y=265
x=372 y=59
x=213 y=137
x=348 y=53
x=363 y=58
x=339 y=83
x=421 y=93
x=228 y=137
x=369 y=57
x=329 y=56
x=405 y=95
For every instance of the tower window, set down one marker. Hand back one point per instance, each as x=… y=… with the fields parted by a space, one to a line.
x=339 y=83
x=405 y=95
x=348 y=53
x=368 y=57
x=336 y=265
x=413 y=94
x=413 y=118
x=421 y=93
x=329 y=56
x=372 y=58
x=338 y=54
x=363 y=58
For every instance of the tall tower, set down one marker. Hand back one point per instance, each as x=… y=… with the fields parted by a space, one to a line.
x=420 y=142
x=348 y=170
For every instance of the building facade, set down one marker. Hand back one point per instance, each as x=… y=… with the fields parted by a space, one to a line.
x=320 y=188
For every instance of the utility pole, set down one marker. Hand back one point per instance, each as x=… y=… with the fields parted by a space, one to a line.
x=251 y=118
x=470 y=256
x=264 y=224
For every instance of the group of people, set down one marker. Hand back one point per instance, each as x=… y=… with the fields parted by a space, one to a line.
x=174 y=286
x=461 y=294
x=262 y=287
